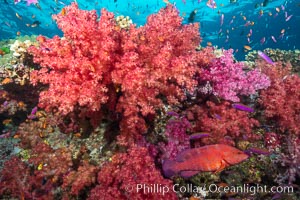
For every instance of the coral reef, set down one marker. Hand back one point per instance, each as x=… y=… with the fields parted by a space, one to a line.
x=157 y=60
x=223 y=123
x=117 y=101
x=77 y=67
x=119 y=178
x=281 y=100
x=227 y=78
x=278 y=55
x=290 y=159
x=177 y=138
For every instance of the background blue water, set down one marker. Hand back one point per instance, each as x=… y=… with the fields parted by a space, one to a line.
x=267 y=25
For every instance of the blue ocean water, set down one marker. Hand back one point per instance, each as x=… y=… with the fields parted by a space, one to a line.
x=258 y=24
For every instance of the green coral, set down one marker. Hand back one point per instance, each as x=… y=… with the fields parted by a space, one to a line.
x=24 y=154
x=5 y=50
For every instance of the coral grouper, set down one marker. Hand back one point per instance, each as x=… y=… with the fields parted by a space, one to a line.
x=210 y=158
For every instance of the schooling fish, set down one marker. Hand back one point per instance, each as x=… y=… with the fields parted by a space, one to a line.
x=209 y=158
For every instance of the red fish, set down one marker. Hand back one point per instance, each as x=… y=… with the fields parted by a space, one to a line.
x=210 y=158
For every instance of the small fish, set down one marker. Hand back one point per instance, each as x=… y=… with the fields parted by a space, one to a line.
x=172 y=113
x=257 y=151
x=78 y=135
x=35 y=23
x=21 y=104
x=247 y=23
x=248 y=39
x=288 y=18
x=5 y=103
x=5 y=135
x=38 y=6
x=192 y=16
x=18 y=16
x=265 y=57
x=211 y=4
x=273 y=38
x=217 y=116
x=34 y=110
x=281 y=36
x=262 y=40
x=32 y=114
x=265 y=3
x=248 y=48
x=40 y=166
x=63 y=12
x=242 y=107
x=6 y=121
x=7 y=24
x=209 y=158
x=200 y=135
x=41 y=39
x=62 y=3
x=6 y=81
x=222 y=20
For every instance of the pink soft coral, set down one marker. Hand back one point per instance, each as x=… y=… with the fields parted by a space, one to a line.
x=177 y=139
x=228 y=78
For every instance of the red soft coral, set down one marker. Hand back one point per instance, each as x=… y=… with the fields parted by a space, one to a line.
x=17 y=180
x=77 y=67
x=223 y=123
x=76 y=181
x=158 y=61
x=119 y=178
x=97 y=63
x=282 y=99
